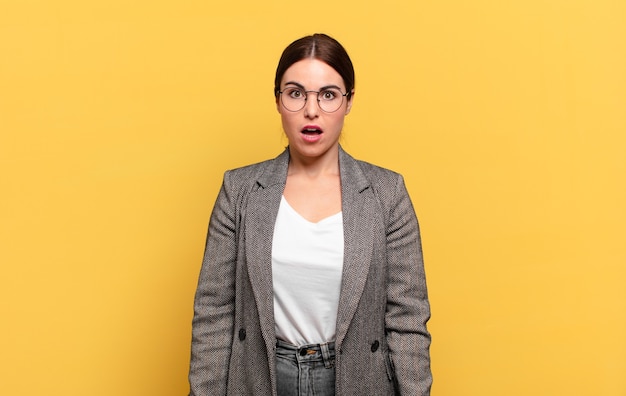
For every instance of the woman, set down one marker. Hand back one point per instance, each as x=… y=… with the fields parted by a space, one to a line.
x=312 y=281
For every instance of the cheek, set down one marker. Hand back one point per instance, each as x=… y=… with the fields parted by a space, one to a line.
x=287 y=121
x=338 y=120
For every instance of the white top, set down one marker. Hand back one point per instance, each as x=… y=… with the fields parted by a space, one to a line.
x=307 y=262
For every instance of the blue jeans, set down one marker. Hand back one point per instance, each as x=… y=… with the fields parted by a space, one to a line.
x=305 y=371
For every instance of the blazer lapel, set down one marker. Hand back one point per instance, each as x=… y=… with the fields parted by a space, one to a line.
x=259 y=220
x=358 y=224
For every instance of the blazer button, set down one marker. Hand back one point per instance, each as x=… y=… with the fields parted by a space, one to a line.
x=375 y=346
x=242 y=334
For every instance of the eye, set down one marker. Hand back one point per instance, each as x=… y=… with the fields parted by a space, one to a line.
x=329 y=94
x=294 y=93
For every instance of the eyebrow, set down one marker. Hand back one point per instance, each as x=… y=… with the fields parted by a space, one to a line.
x=302 y=86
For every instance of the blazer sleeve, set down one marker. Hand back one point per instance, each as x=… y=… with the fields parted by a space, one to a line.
x=214 y=307
x=408 y=309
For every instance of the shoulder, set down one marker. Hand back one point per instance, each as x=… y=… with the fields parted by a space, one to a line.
x=260 y=174
x=377 y=177
x=387 y=186
x=377 y=174
x=248 y=172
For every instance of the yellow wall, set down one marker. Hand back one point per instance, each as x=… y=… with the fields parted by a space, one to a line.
x=507 y=118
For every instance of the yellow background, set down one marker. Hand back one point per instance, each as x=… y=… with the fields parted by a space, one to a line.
x=507 y=119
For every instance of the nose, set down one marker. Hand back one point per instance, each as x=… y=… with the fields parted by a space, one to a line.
x=311 y=107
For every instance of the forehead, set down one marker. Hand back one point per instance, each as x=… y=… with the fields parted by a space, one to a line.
x=313 y=74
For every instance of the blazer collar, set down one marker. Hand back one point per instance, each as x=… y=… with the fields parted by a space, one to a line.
x=352 y=178
x=276 y=171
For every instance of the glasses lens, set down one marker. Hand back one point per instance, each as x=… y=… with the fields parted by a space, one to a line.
x=330 y=100
x=293 y=98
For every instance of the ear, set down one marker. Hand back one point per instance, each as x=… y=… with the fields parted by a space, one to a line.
x=350 y=101
x=278 y=104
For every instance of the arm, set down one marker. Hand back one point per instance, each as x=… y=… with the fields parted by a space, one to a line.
x=214 y=308
x=408 y=309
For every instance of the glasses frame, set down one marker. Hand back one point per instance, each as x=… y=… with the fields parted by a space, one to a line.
x=317 y=96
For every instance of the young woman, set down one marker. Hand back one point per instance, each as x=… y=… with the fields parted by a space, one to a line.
x=312 y=281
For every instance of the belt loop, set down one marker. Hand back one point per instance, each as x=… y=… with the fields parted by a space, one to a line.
x=328 y=362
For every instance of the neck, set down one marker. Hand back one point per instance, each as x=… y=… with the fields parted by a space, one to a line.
x=327 y=164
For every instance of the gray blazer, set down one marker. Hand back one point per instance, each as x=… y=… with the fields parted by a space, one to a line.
x=382 y=344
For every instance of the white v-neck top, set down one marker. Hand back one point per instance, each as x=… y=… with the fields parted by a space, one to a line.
x=307 y=262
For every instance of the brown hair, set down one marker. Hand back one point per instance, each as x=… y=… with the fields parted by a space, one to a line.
x=321 y=47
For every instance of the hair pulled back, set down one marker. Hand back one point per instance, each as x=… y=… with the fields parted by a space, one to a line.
x=321 y=47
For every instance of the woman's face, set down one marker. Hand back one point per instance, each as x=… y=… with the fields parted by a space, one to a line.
x=312 y=133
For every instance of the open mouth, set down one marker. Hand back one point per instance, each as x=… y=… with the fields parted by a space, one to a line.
x=311 y=131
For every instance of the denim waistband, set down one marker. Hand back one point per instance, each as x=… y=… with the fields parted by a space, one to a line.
x=308 y=353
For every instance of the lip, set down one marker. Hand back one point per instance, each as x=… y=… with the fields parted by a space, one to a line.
x=311 y=133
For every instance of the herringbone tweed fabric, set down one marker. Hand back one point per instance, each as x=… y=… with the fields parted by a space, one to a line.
x=382 y=343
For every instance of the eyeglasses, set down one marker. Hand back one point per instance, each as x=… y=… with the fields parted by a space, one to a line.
x=329 y=99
